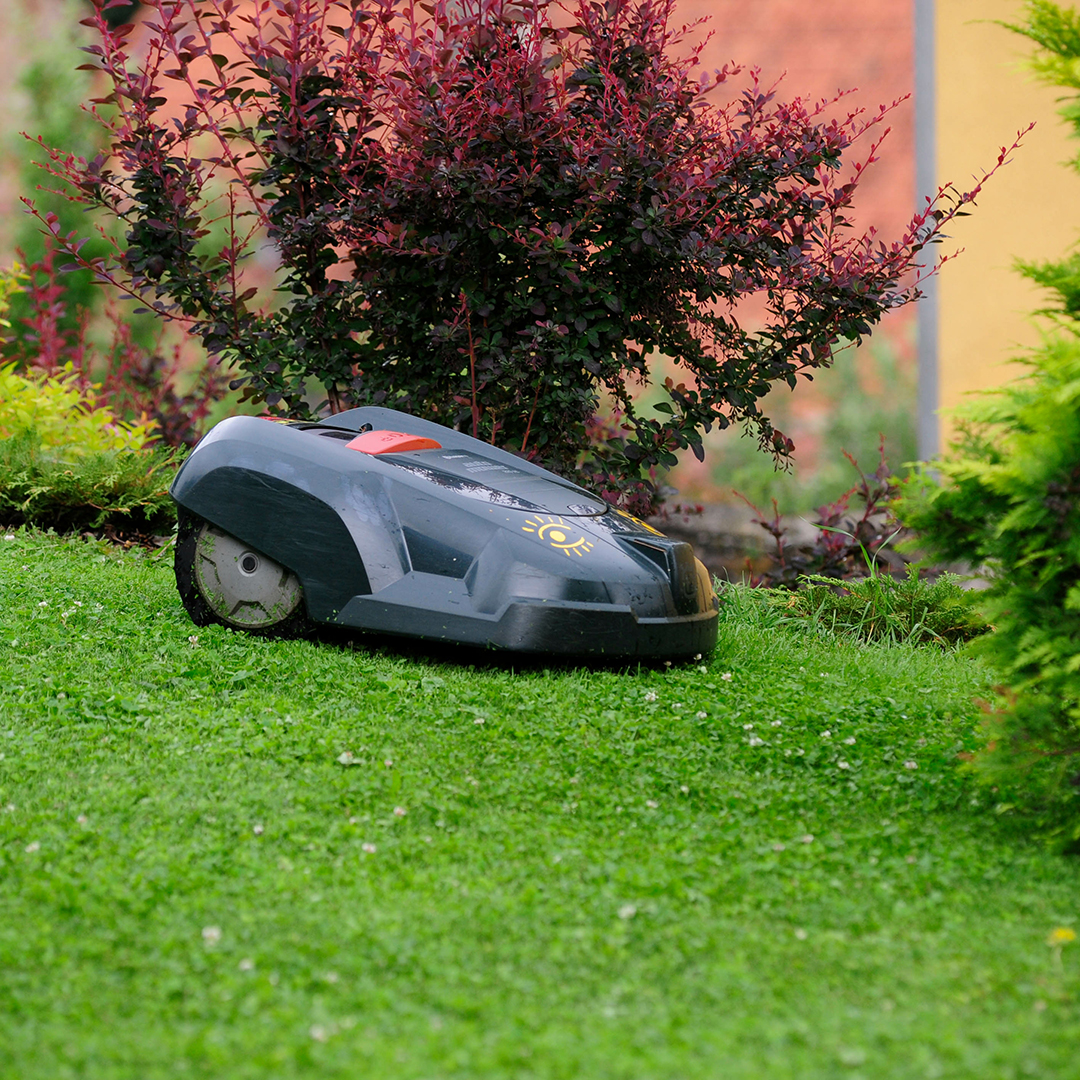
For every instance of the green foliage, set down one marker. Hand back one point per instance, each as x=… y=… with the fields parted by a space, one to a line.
x=63 y=415
x=595 y=882
x=1056 y=30
x=11 y=280
x=67 y=463
x=883 y=608
x=95 y=488
x=1007 y=500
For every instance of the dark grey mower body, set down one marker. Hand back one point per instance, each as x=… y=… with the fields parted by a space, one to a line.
x=462 y=543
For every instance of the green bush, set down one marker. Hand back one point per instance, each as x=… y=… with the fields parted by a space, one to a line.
x=118 y=488
x=1006 y=499
x=68 y=463
x=63 y=415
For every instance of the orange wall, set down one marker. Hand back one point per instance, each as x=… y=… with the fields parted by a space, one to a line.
x=1029 y=210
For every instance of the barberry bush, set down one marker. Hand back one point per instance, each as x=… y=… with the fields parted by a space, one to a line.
x=849 y=543
x=490 y=213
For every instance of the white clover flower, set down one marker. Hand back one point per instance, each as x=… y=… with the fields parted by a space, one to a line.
x=211 y=935
x=850 y=740
x=479 y=720
x=777 y=723
x=684 y=789
x=193 y=640
x=800 y=934
x=43 y=603
x=779 y=847
x=247 y=964
x=755 y=741
x=807 y=839
x=826 y=734
x=910 y=765
x=842 y=765
x=702 y=715
x=257 y=830
x=703 y=669
x=727 y=676
x=676 y=704
x=697 y=655
x=748 y=727
x=32 y=847
x=368 y=849
x=400 y=811
x=388 y=763
x=650 y=695
x=652 y=804
x=627 y=911
x=318 y=1033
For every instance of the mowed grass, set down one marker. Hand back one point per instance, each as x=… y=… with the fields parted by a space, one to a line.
x=521 y=873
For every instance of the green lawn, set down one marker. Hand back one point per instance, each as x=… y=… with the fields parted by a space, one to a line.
x=565 y=873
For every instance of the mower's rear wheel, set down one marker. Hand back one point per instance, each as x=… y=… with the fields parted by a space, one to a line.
x=223 y=580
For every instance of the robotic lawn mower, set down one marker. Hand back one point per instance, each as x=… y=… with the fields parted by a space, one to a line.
x=379 y=521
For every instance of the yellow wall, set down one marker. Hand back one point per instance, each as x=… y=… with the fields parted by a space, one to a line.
x=1030 y=209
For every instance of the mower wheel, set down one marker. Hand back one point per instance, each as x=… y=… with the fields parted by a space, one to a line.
x=223 y=580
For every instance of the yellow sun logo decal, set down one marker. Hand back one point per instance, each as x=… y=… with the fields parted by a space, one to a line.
x=558 y=534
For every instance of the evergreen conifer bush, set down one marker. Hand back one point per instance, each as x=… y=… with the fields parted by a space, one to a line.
x=96 y=489
x=1006 y=498
x=490 y=214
